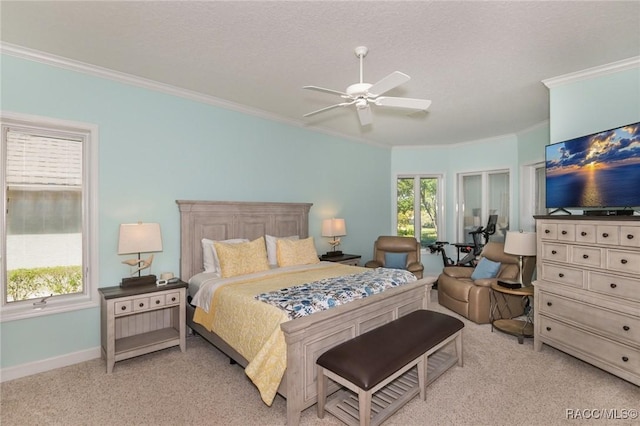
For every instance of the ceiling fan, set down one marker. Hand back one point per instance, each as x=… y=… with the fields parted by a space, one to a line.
x=362 y=94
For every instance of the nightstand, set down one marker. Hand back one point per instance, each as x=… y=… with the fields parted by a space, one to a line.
x=347 y=259
x=141 y=319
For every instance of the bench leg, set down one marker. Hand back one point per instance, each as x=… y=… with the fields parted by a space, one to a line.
x=322 y=382
x=422 y=376
x=459 y=348
x=364 y=405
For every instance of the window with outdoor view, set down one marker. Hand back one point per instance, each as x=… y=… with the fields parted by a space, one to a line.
x=47 y=215
x=419 y=208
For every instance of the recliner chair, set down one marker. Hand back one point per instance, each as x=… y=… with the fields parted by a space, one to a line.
x=388 y=250
x=471 y=298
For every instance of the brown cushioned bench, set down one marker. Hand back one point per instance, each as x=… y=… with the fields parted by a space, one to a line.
x=373 y=360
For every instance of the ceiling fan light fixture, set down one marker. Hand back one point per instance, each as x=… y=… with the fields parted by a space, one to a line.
x=363 y=94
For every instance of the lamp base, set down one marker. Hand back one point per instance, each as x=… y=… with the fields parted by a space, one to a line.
x=332 y=254
x=136 y=281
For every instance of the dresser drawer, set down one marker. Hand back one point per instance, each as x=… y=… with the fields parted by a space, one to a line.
x=563 y=275
x=585 y=233
x=613 y=285
x=622 y=356
x=548 y=231
x=630 y=236
x=603 y=321
x=623 y=261
x=555 y=252
x=588 y=256
x=156 y=301
x=608 y=234
x=566 y=232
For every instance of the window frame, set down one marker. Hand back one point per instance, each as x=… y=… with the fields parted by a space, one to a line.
x=484 y=199
x=441 y=221
x=88 y=134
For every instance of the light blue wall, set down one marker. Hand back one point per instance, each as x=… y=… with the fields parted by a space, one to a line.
x=593 y=105
x=156 y=148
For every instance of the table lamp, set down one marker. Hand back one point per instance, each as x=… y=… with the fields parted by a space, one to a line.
x=139 y=238
x=334 y=228
x=521 y=244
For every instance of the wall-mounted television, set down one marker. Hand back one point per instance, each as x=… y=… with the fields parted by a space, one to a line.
x=595 y=171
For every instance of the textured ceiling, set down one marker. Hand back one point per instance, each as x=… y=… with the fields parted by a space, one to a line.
x=480 y=62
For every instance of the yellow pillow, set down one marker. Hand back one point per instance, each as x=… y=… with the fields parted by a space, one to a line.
x=296 y=252
x=241 y=258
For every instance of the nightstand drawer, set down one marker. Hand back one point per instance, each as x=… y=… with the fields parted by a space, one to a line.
x=123 y=307
x=140 y=304
x=172 y=299
x=156 y=301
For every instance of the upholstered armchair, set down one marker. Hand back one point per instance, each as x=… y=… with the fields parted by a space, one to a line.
x=469 y=297
x=397 y=252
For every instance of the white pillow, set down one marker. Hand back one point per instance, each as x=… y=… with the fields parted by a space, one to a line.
x=210 y=258
x=271 y=247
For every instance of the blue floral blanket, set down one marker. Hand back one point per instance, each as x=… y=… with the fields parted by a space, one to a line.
x=303 y=300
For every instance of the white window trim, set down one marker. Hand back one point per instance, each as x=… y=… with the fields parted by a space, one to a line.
x=528 y=195
x=485 y=197
x=89 y=298
x=416 y=202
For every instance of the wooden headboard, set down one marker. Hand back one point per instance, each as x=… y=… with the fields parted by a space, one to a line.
x=223 y=220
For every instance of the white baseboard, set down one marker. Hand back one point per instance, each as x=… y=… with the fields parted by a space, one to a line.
x=23 y=370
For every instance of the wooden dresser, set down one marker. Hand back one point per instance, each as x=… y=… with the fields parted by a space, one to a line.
x=587 y=290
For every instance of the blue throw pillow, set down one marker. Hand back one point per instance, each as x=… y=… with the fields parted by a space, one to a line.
x=486 y=269
x=395 y=260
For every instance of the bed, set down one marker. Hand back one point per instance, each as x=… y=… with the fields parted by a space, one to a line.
x=306 y=337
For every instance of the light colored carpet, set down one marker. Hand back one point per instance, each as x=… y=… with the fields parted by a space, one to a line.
x=501 y=383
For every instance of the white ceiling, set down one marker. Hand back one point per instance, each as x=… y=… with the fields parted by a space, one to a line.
x=480 y=62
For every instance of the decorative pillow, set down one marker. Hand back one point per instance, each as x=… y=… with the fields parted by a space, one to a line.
x=395 y=260
x=485 y=269
x=271 y=247
x=209 y=257
x=241 y=258
x=296 y=252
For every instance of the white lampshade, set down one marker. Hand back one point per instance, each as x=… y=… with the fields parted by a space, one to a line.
x=139 y=238
x=333 y=228
x=520 y=243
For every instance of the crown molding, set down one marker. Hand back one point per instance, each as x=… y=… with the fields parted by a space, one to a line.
x=132 y=80
x=614 y=67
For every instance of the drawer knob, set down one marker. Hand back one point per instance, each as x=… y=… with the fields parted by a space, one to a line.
x=625 y=327
x=561 y=275
x=623 y=261
x=124 y=308
x=141 y=304
x=549 y=303
x=564 y=232
x=546 y=231
x=625 y=358
x=613 y=285
x=554 y=252
x=157 y=302
x=173 y=299
x=605 y=235
x=585 y=256
x=548 y=328
x=584 y=234
x=629 y=237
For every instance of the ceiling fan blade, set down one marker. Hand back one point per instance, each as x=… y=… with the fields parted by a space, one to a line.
x=409 y=103
x=328 y=108
x=391 y=81
x=322 y=89
x=364 y=114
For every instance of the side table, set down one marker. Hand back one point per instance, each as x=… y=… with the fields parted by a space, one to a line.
x=347 y=259
x=516 y=327
x=141 y=319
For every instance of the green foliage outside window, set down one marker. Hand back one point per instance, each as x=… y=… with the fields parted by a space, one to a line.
x=24 y=284
x=428 y=209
